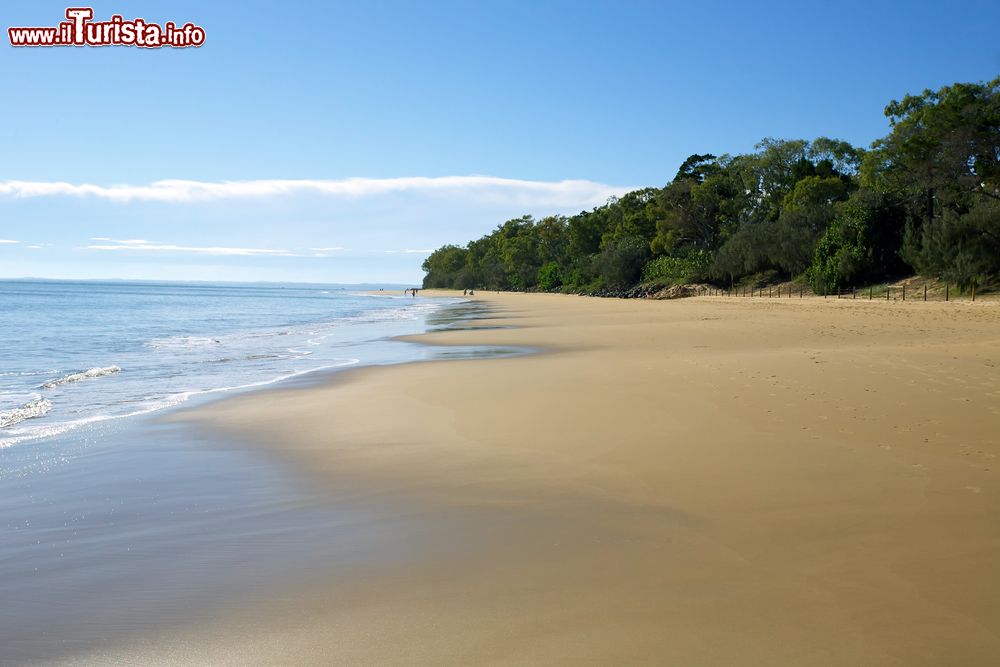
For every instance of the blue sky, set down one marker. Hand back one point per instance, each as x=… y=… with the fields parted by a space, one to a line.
x=338 y=141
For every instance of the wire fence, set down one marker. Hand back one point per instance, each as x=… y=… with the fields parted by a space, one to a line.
x=947 y=292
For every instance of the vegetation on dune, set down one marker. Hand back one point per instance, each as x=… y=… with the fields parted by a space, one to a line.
x=924 y=199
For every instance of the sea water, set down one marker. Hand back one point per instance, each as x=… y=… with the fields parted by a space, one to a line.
x=79 y=353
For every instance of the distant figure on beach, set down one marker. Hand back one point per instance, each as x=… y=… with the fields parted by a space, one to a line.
x=413 y=292
x=465 y=292
x=471 y=292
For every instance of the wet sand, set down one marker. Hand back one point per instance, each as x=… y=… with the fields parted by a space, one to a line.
x=708 y=481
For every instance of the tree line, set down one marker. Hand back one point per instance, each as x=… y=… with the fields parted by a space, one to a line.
x=924 y=199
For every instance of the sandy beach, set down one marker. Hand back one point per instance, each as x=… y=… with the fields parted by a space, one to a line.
x=708 y=481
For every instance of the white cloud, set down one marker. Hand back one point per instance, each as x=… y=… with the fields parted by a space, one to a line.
x=8 y=241
x=408 y=251
x=137 y=244
x=565 y=193
x=325 y=252
x=124 y=241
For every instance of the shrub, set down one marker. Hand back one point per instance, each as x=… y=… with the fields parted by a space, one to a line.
x=677 y=270
x=548 y=277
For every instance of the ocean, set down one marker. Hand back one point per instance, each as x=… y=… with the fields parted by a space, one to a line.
x=74 y=354
x=115 y=523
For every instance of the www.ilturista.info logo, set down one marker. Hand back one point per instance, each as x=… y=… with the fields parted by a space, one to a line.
x=81 y=30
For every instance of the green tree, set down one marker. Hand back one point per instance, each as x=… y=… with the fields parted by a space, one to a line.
x=621 y=259
x=943 y=159
x=519 y=250
x=443 y=266
x=862 y=243
x=548 y=277
x=961 y=247
x=695 y=208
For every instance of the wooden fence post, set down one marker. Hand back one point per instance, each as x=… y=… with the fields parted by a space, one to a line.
x=904 y=292
x=947 y=289
x=925 y=291
x=973 y=292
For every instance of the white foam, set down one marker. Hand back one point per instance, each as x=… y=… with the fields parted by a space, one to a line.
x=155 y=405
x=182 y=342
x=34 y=408
x=84 y=375
x=27 y=373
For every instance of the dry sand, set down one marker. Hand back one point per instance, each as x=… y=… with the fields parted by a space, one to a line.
x=709 y=481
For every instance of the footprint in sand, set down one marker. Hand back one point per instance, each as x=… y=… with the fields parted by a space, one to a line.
x=974 y=489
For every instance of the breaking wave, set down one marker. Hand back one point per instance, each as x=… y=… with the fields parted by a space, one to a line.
x=145 y=406
x=33 y=408
x=83 y=375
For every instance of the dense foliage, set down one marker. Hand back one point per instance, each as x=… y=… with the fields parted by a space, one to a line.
x=925 y=198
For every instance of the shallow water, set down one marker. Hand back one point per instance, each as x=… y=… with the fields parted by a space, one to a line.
x=76 y=353
x=117 y=533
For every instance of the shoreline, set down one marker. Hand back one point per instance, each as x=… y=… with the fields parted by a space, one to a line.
x=697 y=481
x=190 y=523
x=304 y=361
